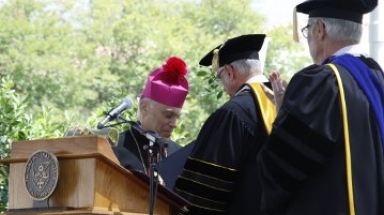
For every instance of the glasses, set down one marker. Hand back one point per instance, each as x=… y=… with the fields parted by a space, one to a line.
x=304 y=31
x=218 y=74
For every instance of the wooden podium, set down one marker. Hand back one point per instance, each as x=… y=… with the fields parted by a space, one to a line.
x=91 y=181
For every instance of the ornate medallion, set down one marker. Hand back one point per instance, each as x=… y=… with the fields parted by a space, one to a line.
x=41 y=174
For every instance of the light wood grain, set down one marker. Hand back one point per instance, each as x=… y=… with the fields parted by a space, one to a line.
x=91 y=181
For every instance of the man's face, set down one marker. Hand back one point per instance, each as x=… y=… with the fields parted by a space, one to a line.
x=227 y=78
x=158 y=117
x=315 y=40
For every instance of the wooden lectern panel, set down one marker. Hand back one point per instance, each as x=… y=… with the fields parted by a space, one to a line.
x=90 y=179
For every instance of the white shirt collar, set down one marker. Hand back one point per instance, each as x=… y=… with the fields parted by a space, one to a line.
x=258 y=79
x=352 y=49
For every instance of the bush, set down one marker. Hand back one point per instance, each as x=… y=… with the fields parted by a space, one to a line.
x=17 y=124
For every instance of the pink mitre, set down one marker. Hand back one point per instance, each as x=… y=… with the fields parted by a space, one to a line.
x=167 y=84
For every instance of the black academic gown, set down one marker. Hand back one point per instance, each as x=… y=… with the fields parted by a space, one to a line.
x=303 y=164
x=220 y=175
x=128 y=152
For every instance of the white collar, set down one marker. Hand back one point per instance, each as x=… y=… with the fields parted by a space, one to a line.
x=254 y=79
x=352 y=49
x=258 y=79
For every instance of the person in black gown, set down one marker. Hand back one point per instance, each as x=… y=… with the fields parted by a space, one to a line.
x=325 y=153
x=220 y=175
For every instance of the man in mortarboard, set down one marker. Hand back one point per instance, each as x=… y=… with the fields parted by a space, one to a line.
x=325 y=154
x=159 y=109
x=220 y=175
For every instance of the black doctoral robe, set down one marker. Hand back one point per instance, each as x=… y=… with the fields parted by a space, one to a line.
x=303 y=165
x=220 y=175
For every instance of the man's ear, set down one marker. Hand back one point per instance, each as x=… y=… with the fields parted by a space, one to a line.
x=230 y=71
x=144 y=106
x=320 y=29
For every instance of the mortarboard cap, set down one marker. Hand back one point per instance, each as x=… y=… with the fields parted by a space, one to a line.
x=167 y=84
x=237 y=48
x=352 y=10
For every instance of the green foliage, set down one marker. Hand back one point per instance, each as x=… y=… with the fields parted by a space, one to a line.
x=16 y=123
x=80 y=57
x=283 y=54
x=70 y=61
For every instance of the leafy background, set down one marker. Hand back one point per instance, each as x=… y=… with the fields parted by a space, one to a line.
x=65 y=62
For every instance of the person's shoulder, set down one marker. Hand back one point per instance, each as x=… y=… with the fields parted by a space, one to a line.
x=313 y=69
x=312 y=72
x=242 y=99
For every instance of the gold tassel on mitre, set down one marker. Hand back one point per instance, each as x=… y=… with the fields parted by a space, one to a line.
x=294 y=26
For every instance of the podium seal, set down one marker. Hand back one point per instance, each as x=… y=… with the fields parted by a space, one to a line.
x=41 y=175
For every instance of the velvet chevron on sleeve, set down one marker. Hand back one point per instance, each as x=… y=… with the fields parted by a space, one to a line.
x=220 y=175
x=303 y=164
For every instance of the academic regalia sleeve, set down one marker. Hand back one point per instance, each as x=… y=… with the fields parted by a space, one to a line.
x=212 y=167
x=304 y=136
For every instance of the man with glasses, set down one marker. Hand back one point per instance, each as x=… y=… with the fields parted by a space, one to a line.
x=220 y=175
x=325 y=154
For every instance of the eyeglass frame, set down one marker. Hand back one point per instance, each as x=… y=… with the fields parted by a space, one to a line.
x=304 y=31
x=217 y=76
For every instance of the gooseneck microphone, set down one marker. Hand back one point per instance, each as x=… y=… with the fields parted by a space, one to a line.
x=125 y=104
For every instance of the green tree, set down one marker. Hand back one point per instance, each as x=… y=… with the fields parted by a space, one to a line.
x=82 y=56
x=283 y=54
x=17 y=123
x=71 y=60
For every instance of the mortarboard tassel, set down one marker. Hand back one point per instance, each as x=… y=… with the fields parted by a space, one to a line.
x=294 y=26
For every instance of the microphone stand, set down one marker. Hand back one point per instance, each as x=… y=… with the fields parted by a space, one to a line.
x=156 y=143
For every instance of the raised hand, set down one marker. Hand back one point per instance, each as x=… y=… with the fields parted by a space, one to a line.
x=278 y=86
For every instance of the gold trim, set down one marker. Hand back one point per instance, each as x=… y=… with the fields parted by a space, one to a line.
x=207 y=176
x=214 y=188
x=191 y=194
x=198 y=206
x=213 y=164
x=268 y=109
x=347 y=143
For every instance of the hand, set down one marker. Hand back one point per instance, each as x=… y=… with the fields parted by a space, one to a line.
x=268 y=92
x=278 y=86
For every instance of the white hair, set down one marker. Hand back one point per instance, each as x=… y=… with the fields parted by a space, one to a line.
x=341 y=30
x=150 y=103
x=247 y=67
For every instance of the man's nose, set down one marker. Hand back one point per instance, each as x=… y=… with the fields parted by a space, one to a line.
x=173 y=122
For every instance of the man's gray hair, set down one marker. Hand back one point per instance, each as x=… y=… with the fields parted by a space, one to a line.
x=341 y=30
x=150 y=102
x=246 y=67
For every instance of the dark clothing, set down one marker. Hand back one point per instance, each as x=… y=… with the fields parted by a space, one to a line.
x=172 y=166
x=127 y=150
x=220 y=175
x=303 y=165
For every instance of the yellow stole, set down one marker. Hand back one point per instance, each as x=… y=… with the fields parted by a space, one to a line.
x=268 y=109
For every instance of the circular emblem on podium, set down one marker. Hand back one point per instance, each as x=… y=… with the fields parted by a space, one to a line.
x=41 y=174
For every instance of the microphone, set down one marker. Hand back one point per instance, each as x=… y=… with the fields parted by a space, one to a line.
x=125 y=104
x=150 y=135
